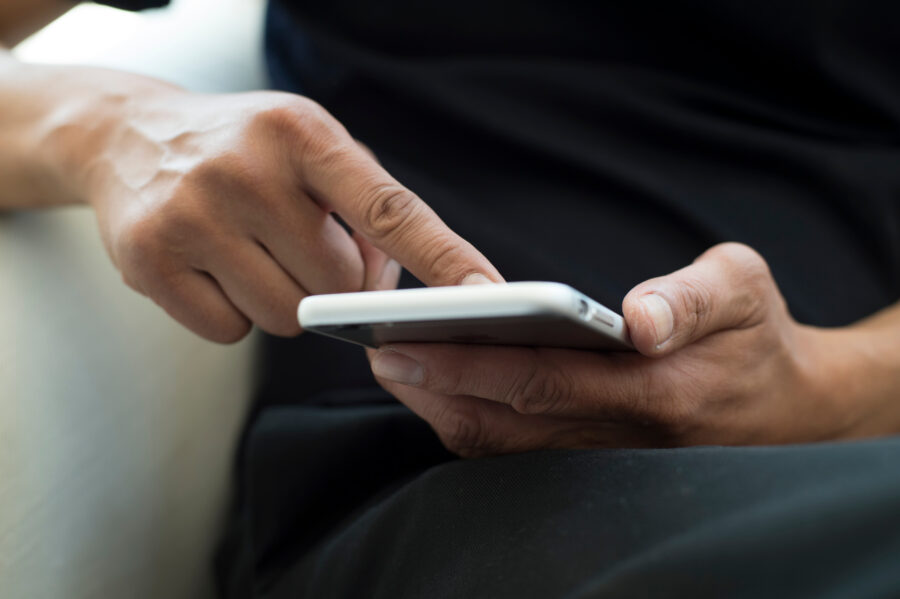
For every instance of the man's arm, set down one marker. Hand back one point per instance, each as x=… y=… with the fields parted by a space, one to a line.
x=54 y=121
x=50 y=116
x=27 y=180
x=218 y=207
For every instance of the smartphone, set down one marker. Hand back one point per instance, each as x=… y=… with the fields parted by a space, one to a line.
x=539 y=314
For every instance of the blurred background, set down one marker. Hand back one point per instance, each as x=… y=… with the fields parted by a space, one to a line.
x=117 y=427
x=205 y=45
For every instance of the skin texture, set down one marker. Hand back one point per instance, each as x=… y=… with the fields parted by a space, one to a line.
x=719 y=361
x=221 y=209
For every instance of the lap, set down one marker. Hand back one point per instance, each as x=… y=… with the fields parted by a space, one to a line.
x=356 y=498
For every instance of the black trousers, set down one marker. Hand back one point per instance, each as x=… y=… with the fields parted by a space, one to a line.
x=347 y=494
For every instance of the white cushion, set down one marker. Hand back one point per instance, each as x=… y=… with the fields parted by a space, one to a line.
x=117 y=426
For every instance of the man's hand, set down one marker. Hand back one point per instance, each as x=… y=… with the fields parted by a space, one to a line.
x=720 y=361
x=221 y=208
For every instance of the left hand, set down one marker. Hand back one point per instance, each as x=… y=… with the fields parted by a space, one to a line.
x=719 y=361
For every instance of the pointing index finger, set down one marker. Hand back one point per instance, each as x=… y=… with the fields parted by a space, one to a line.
x=390 y=216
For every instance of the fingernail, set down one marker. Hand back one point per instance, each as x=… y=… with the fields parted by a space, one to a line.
x=393 y=366
x=476 y=278
x=660 y=313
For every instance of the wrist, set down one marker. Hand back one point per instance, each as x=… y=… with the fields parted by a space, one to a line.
x=56 y=121
x=853 y=374
x=82 y=133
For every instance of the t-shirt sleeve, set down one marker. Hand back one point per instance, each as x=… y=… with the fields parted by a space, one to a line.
x=134 y=4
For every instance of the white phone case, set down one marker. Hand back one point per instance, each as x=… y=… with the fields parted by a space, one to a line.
x=527 y=313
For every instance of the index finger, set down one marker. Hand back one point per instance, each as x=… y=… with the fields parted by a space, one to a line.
x=531 y=380
x=393 y=218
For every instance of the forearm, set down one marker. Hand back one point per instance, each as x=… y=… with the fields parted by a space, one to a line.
x=53 y=118
x=859 y=366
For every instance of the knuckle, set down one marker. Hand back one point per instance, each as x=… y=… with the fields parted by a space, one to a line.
x=389 y=207
x=281 y=327
x=674 y=423
x=736 y=253
x=286 y=116
x=301 y=119
x=672 y=408
x=152 y=247
x=309 y=109
x=298 y=127
x=460 y=430
x=450 y=381
x=182 y=224
x=139 y=246
x=281 y=118
x=749 y=277
x=741 y=260
x=696 y=299
x=539 y=390
x=131 y=282
x=232 y=331
x=443 y=256
x=673 y=416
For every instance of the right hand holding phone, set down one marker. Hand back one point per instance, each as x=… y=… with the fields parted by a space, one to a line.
x=721 y=362
x=219 y=208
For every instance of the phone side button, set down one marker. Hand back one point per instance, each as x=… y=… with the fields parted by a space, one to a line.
x=602 y=318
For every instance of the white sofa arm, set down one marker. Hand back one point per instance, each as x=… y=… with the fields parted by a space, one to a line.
x=117 y=426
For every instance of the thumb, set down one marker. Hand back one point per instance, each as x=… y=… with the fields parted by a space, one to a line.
x=728 y=287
